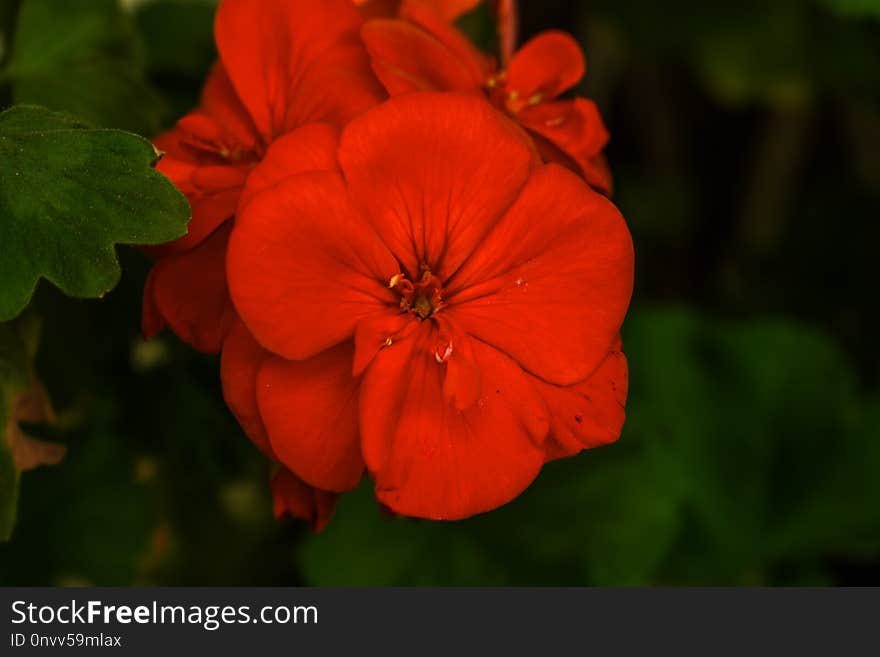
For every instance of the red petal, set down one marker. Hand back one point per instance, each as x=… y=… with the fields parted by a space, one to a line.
x=296 y=498
x=590 y=413
x=406 y=58
x=574 y=127
x=431 y=460
x=424 y=53
x=453 y=168
x=220 y=101
x=551 y=284
x=375 y=333
x=449 y=9
x=212 y=189
x=377 y=8
x=311 y=412
x=189 y=294
x=241 y=361
x=434 y=17
x=304 y=267
x=311 y=148
x=294 y=63
x=548 y=64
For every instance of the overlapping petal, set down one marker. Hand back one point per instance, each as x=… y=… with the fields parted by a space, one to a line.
x=590 y=413
x=551 y=283
x=430 y=459
x=304 y=267
x=239 y=366
x=310 y=148
x=435 y=208
x=294 y=62
x=310 y=409
x=188 y=292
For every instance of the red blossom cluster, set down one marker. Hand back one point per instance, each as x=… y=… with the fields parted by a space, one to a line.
x=403 y=249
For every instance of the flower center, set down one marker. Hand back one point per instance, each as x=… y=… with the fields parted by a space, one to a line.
x=422 y=298
x=508 y=99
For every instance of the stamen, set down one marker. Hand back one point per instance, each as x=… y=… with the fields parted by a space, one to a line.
x=443 y=353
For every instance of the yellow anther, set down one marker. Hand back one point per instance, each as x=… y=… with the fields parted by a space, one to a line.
x=395 y=280
x=388 y=342
x=535 y=99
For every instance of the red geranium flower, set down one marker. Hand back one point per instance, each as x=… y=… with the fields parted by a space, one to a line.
x=422 y=51
x=444 y=309
x=283 y=64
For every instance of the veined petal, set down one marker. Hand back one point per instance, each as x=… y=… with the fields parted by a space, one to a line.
x=310 y=408
x=434 y=16
x=433 y=173
x=406 y=58
x=304 y=267
x=293 y=62
x=430 y=459
x=189 y=293
x=550 y=285
x=548 y=64
x=239 y=365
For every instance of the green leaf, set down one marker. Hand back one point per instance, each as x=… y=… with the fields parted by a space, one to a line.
x=764 y=422
x=68 y=194
x=83 y=57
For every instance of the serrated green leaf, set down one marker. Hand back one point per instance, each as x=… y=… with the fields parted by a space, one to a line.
x=83 y=57
x=68 y=194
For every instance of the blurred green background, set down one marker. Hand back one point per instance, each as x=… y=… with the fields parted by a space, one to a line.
x=746 y=152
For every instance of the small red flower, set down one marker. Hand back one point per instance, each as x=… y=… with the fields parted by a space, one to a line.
x=422 y=51
x=283 y=64
x=443 y=308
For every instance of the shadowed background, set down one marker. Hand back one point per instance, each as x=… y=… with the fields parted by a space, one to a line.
x=746 y=153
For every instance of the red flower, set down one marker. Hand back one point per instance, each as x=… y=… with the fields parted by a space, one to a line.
x=422 y=51
x=444 y=309
x=283 y=64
